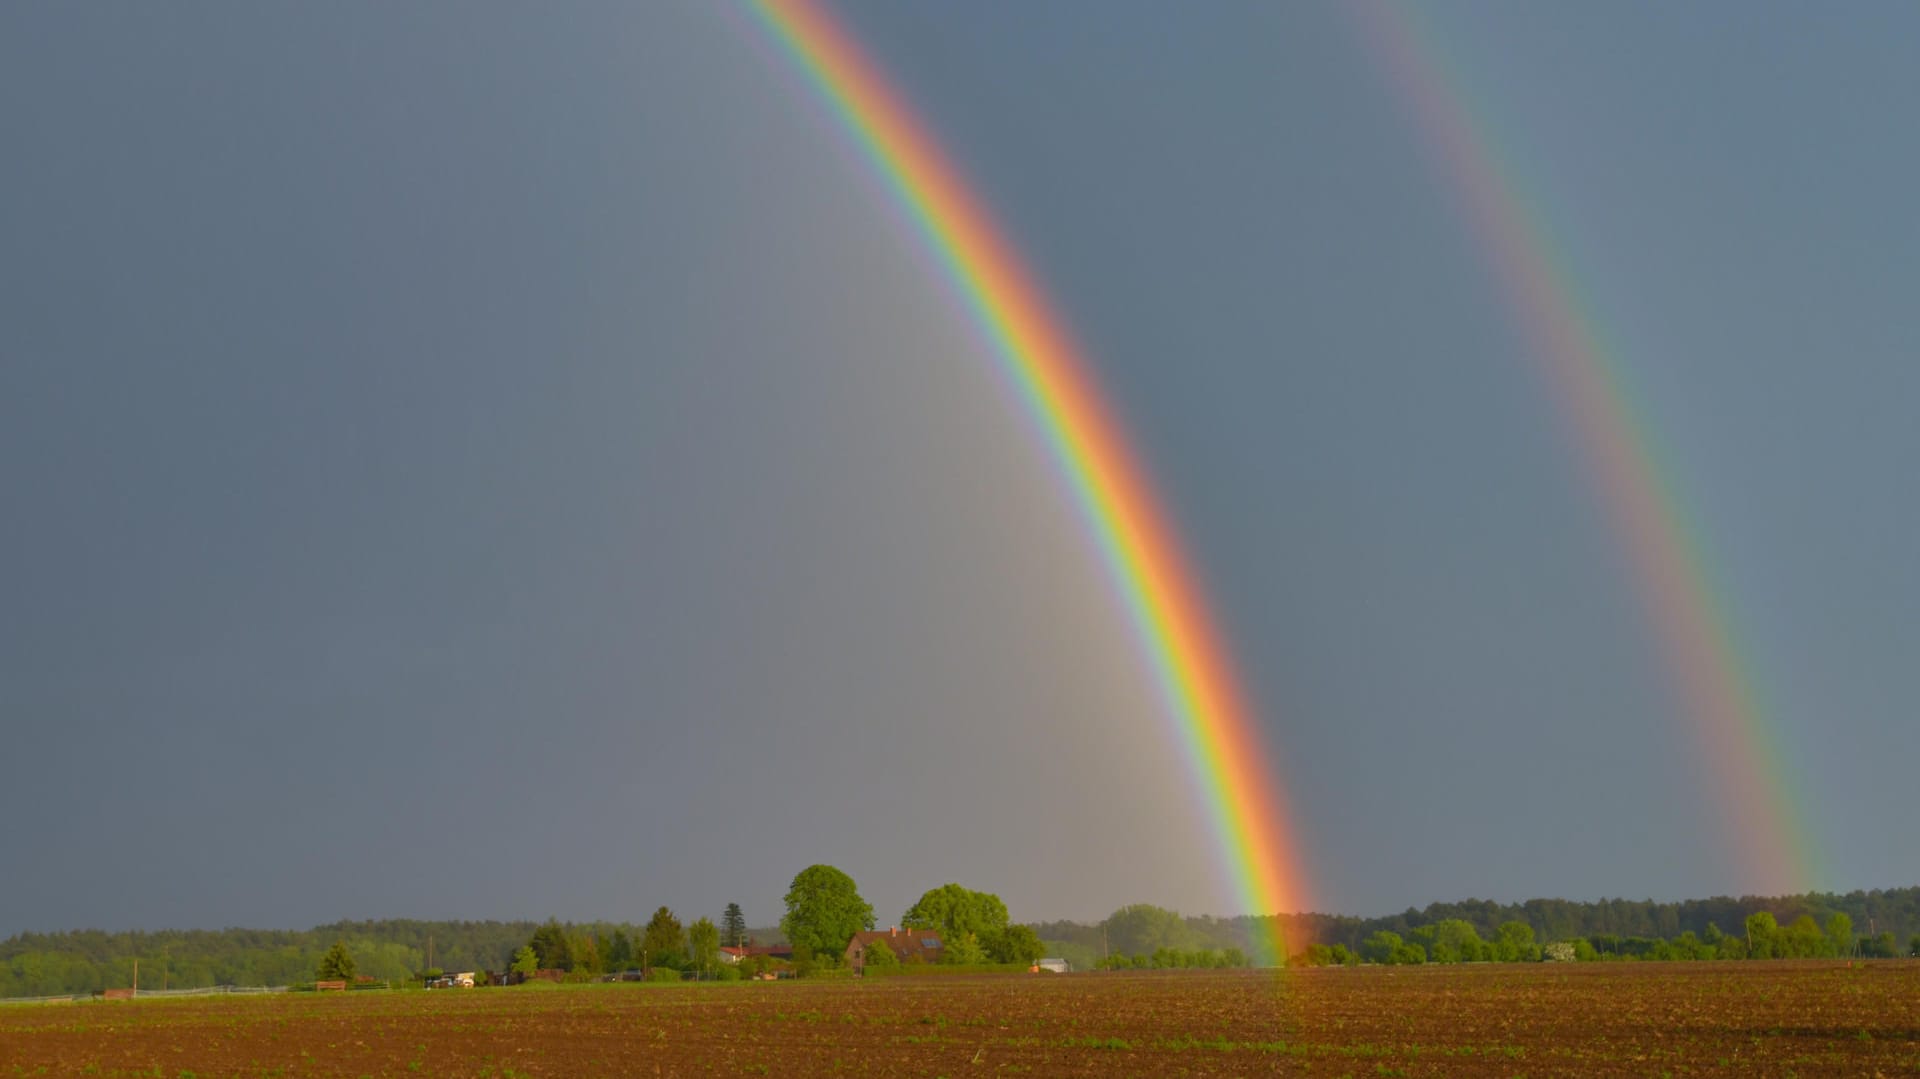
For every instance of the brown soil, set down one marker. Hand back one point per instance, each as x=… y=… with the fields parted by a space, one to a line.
x=1595 y=1019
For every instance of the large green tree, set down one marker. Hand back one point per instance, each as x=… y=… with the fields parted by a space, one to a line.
x=1381 y=946
x=956 y=911
x=664 y=943
x=1840 y=934
x=1142 y=929
x=824 y=911
x=1016 y=944
x=1514 y=943
x=1803 y=939
x=733 y=926
x=1452 y=940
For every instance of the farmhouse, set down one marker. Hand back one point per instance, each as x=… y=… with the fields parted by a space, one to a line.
x=909 y=946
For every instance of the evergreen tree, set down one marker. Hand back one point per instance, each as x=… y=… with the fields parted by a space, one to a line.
x=664 y=944
x=524 y=961
x=619 y=950
x=733 y=927
x=336 y=965
x=550 y=945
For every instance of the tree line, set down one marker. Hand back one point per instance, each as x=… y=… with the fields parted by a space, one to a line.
x=1760 y=936
x=820 y=907
x=824 y=910
x=1877 y=923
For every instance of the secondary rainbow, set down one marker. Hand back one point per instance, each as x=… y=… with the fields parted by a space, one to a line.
x=1218 y=733
x=1584 y=373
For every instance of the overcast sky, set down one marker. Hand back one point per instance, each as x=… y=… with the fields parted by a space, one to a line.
x=486 y=461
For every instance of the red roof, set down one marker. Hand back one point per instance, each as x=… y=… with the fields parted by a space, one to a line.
x=923 y=945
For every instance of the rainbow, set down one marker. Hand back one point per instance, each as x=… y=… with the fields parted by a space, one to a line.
x=1585 y=376
x=1218 y=733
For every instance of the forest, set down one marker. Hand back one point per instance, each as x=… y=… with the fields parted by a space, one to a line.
x=1882 y=922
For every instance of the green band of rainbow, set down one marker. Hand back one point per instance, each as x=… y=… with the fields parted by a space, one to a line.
x=1222 y=742
x=1672 y=576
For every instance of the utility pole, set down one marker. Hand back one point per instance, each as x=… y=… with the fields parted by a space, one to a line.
x=136 y=975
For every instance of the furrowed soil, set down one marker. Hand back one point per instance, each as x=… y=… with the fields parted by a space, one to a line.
x=1647 y=1019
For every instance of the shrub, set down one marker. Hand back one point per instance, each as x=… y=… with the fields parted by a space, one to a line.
x=965 y=951
x=1380 y=947
x=880 y=956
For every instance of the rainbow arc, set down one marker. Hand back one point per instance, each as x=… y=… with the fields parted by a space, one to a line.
x=1029 y=341
x=1586 y=377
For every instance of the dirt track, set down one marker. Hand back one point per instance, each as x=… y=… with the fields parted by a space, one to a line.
x=1625 y=1019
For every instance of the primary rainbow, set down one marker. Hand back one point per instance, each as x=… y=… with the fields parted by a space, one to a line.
x=1584 y=373
x=1218 y=733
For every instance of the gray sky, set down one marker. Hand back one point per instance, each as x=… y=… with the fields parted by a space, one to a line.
x=472 y=461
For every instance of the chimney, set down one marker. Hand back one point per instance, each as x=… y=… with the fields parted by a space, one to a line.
x=893 y=931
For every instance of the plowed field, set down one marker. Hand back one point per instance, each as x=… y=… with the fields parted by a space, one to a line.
x=1771 y=1019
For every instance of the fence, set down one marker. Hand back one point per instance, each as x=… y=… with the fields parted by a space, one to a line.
x=204 y=991
x=213 y=990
